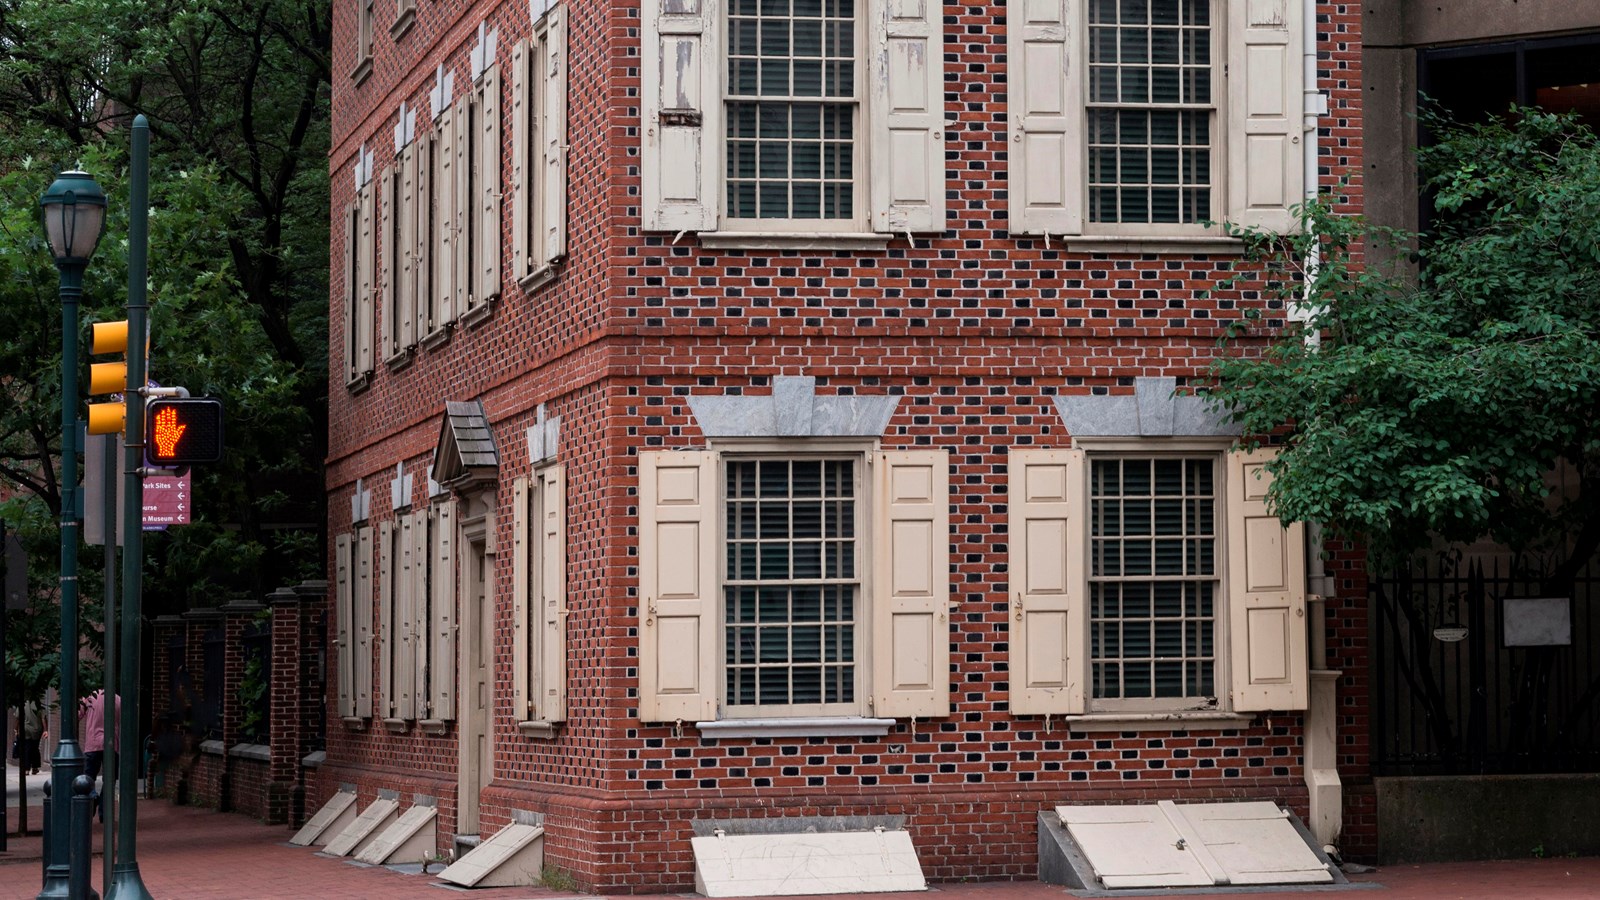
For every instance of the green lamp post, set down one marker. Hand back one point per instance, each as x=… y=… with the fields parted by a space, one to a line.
x=74 y=217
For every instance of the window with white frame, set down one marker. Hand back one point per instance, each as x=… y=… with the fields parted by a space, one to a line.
x=364 y=29
x=539 y=148
x=776 y=583
x=771 y=118
x=1152 y=581
x=1148 y=118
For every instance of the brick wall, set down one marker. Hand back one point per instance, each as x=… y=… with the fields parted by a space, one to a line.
x=976 y=331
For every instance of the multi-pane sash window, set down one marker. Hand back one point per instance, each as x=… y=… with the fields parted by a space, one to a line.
x=1151 y=111
x=1154 y=582
x=792 y=109
x=791 y=588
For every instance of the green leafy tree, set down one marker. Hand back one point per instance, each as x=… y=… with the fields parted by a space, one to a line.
x=1453 y=392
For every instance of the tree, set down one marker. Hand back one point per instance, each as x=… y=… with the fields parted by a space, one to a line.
x=1455 y=398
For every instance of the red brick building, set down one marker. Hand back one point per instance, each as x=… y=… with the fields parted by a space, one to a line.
x=767 y=410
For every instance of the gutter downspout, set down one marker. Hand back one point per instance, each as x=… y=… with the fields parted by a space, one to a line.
x=1325 y=791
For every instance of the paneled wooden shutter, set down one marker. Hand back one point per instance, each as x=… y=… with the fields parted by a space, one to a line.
x=365 y=297
x=343 y=618
x=906 y=110
x=1266 y=593
x=444 y=612
x=1046 y=541
x=677 y=586
x=522 y=194
x=352 y=279
x=681 y=114
x=387 y=644
x=1045 y=96
x=552 y=130
x=406 y=299
x=445 y=221
x=521 y=634
x=911 y=584
x=1264 y=128
x=405 y=638
x=421 y=628
x=423 y=290
x=489 y=187
x=362 y=608
x=551 y=704
x=467 y=134
x=389 y=193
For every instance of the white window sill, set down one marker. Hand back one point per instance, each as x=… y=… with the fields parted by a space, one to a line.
x=1197 y=720
x=362 y=70
x=398 y=726
x=433 y=726
x=359 y=383
x=786 y=240
x=435 y=339
x=400 y=360
x=355 y=723
x=402 y=24
x=537 y=729
x=809 y=726
x=539 y=277
x=1132 y=243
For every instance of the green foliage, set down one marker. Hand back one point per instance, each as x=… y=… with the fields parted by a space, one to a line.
x=253 y=699
x=1441 y=397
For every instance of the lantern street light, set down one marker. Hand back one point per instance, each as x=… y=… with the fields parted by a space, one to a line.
x=74 y=217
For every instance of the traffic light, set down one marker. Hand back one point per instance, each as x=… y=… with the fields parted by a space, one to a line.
x=182 y=431
x=108 y=377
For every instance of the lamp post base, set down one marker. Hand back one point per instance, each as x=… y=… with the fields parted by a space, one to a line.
x=126 y=883
x=65 y=767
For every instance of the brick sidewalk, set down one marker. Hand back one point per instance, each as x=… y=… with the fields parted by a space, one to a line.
x=187 y=853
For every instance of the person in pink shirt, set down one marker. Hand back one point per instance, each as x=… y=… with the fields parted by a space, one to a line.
x=92 y=725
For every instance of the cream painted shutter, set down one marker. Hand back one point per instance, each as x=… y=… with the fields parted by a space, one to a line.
x=552 y=199
x=1046 y=566
x=465 y=215
x=424 y=225
x=406 y=295
x=521 y=176
x=911 y=584
x=1044 y=92
x=906 y=111
x=343 y=615
x=420 y=627
x=551 y=703
x=387 y=645
x=1266 y=593
x=681 y=112
x=444 y=210
x=388 y=192
x=677 y=586
x=522 y=636
x=444 y=612
x=1264 y=128
x=405 y=638
x=352 y=277
x=362 y=607
x=365 y=298
x=489 y=233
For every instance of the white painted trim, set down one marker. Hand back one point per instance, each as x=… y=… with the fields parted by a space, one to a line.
x=797 y=726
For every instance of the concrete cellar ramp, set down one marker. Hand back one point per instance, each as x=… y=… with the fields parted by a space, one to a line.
x=514 y=857
x=372 y=820
x=332 y=818
x=839 y=862
x=408 y=839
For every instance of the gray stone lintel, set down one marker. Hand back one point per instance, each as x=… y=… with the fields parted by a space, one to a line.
x=1152 y=411
x=793 y=410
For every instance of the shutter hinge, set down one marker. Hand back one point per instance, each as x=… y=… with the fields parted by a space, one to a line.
x=690 y=118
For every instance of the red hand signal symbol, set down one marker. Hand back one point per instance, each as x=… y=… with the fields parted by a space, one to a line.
x=167 y=432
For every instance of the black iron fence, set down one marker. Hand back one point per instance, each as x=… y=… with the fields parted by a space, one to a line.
x=1450 y=696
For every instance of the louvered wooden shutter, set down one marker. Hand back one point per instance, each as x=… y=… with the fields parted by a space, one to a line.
x=522 y=636
x=467 y=134
x=443 y=681
x=522 y=195
x=552 y=131
x=343 y=618
x=1045 y=539
x=366 y=297
x=421 y=644
x=681 y=113
x=1044 y=93
x=489 y=187
x=1264 y=127
x=388 y=192
x=423 y=290
x=387 y=644
x=906 y=109
x=911 y=584
x=406 y=253
x=405 y=638
x=352 y=278
x=1266 y=593
x=677 y=586
x=551 y=703
x=444 y=210
x=362 y=607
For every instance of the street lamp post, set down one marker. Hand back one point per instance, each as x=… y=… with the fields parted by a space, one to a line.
x=74 y=217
